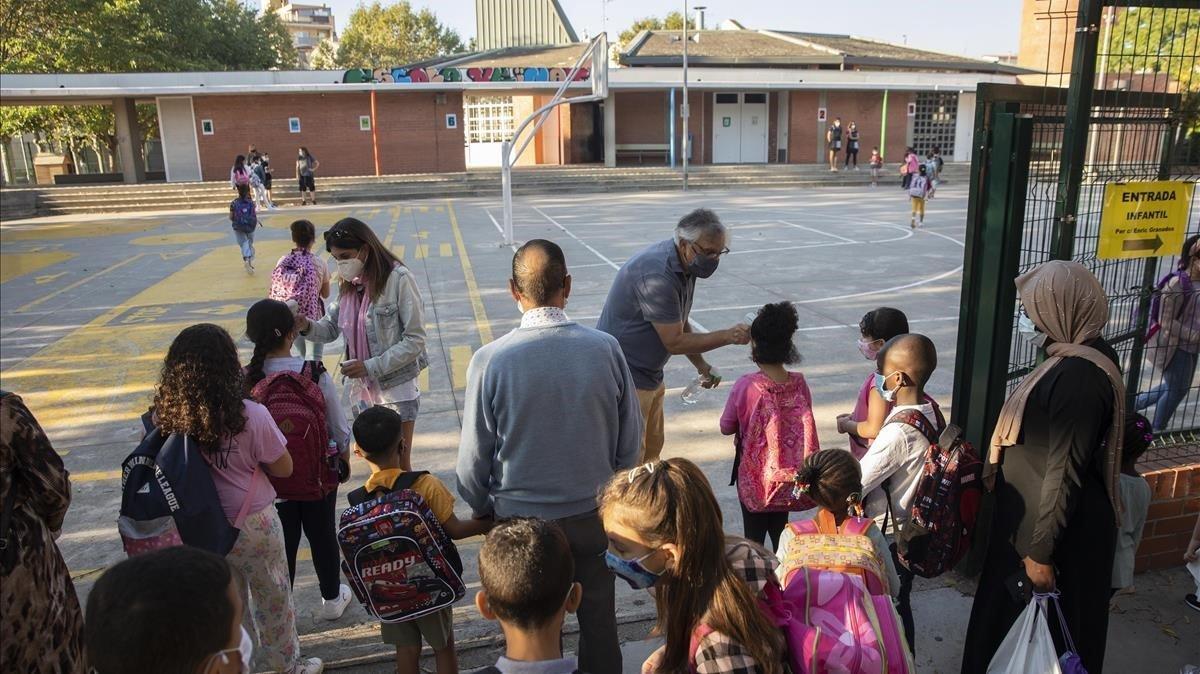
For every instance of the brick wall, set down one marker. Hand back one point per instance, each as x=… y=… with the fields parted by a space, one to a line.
x=863 y=107
x=1174 y=506
x=411 y=127
x=641 y=117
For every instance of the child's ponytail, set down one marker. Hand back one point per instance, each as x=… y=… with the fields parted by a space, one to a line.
x=268 y=323
x=832 y=478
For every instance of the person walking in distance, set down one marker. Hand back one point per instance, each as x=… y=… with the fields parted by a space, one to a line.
x=552 y=403
x=876 y=165
x=243 y=217
x=833 y=139
x=852 y=146
x=918 y=191
x=647 y=311
x=306 y=168
x=240 y=173
x=267 y=179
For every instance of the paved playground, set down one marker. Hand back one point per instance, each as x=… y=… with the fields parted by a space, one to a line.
x=89 y=306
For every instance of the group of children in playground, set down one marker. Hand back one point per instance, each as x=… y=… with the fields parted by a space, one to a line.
x=830 y=594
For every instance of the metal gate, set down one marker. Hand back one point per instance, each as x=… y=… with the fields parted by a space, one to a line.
x=1043 y=157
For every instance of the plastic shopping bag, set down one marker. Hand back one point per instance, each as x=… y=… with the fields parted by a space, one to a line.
x=1070 y=662
x=1028 y=648
x=357 y=396
x=1194 y=569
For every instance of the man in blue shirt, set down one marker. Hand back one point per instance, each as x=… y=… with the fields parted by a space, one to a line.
x=647 y=311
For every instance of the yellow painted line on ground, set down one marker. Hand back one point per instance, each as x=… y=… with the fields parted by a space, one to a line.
x=424 y=209
x=13 y=265
x=96 y=476
x=445 y=250
x=423 y=380
x=438 y=209
x=391 y=235
x=395 y=211
x=422 y=251
x=399 y=251
x=481 y=319
x=460 y=358
x=77 y=230
x=176 y=239
x=78 y=283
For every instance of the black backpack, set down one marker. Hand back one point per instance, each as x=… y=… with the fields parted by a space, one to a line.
x=168 y=497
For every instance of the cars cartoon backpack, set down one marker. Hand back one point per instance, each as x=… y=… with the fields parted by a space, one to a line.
x=296 y=278
x=244 y=218
x=780 y=435
x=946 y=503
x=836 y=608
x=399 y=560
x=168 y=497
x=297 y=405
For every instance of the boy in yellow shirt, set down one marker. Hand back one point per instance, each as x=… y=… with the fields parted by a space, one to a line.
x=378 y=439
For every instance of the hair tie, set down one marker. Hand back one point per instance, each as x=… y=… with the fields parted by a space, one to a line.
x=278 y=333
x=649 y=468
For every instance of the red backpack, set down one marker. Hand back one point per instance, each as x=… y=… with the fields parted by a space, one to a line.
x=297 y=404
x=942 y=517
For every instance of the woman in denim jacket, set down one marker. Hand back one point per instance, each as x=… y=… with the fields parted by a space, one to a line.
x=378 y=309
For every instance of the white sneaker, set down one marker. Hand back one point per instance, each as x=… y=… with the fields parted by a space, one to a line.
x=332 y=609
x=309 y=666
x=246 y=265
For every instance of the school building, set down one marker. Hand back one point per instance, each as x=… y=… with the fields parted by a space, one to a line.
x=755 y=97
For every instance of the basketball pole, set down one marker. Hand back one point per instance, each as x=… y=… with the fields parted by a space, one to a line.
x=685 y=109
x=598 y=45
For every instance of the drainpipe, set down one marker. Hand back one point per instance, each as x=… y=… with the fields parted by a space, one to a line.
x=883 y=127
x=374 y=133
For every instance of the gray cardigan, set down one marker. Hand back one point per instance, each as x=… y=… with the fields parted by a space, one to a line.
x=395 y=330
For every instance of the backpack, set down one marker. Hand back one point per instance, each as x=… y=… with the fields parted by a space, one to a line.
x=399 y=560
x=297 y=405
x=835 y=608
x=241 y=177
x=168 y=497
x=1155 y=323
x=244 y=218
x=780 y=435
x=296 y=278
x=946 y=504
x=917 y=187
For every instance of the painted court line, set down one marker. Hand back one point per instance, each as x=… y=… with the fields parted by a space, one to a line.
x=460 y=358
x=481 y=319
x=817 y=231
x=76 y=284
x=498 y=227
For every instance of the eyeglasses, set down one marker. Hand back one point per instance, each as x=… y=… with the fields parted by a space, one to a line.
x=709 y=253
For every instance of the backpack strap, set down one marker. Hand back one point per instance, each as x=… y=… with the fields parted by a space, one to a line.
x=917 y=420
x=405 y=481
x=698 y=636
x=314 y=369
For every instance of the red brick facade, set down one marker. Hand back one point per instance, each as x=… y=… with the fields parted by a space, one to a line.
x=1174 y=507
x=411 y=128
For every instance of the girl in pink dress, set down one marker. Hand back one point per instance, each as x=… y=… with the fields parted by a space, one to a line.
x=863 y=424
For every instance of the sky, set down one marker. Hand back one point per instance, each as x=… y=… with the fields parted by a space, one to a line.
x=966 y=27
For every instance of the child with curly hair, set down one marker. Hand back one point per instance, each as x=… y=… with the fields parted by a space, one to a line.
x=201 y=394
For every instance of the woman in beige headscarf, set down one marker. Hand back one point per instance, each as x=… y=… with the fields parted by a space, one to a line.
x=1054 y=460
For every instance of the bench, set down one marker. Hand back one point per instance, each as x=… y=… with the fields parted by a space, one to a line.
x=661 y=150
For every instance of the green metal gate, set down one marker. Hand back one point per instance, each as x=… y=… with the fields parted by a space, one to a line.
x=1042 y=158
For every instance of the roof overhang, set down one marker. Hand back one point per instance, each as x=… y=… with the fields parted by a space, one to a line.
x=740 y=61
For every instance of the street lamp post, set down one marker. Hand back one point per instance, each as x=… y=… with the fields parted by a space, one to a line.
x=685 y=109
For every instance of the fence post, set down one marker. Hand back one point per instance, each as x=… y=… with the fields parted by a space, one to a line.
x=1075 y=129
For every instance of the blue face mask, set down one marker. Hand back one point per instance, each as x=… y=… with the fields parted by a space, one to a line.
x=632 y=570
x=881 y=387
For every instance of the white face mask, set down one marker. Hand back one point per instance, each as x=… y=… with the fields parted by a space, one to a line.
x=520 y=309
x=350 y=269
x=245 y=652
x=1029 y=331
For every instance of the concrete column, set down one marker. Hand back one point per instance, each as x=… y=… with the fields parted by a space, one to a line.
x=129 y=140
x=823 y=102
x=610 y=129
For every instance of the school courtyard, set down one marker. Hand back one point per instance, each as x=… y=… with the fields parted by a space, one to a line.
x=91 y=303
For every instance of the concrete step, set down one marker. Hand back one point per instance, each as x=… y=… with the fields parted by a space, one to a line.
x=533 y=180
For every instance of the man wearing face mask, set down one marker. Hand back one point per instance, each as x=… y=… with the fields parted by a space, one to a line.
x=647 y=311
x=551 y=413
x=895 y=461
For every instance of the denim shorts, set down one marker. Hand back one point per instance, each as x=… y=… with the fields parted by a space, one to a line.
x=407 y=409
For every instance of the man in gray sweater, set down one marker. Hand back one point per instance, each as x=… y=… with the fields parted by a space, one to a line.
x=551 y=414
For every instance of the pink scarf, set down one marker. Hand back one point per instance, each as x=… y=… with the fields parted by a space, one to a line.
x=352 y=319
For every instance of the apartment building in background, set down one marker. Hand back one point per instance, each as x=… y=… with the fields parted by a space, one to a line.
x=307 y=24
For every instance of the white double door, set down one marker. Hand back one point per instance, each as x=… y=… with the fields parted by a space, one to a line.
x=739 y=128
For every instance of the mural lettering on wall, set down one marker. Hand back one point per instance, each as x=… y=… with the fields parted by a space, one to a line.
x=451 y=74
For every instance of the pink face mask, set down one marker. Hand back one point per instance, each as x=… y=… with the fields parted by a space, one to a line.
x=868 y=349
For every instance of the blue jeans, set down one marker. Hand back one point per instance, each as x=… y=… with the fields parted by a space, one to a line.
x=245 y=241
x=1176 y=379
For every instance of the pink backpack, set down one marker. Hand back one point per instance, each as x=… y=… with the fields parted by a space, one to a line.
x=780 y=435
x=296 y=278
x=836 y=610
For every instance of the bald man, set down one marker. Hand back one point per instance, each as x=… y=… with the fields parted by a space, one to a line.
x=551 y=413
x=893 y=464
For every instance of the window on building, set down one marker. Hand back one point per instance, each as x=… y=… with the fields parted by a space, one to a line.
x=935 y=121
x=489 y=119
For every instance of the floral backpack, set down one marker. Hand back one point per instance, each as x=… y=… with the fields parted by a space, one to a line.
x=781 y=434
x=296 y=278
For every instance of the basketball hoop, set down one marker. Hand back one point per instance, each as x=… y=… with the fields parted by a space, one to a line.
x=596 y=55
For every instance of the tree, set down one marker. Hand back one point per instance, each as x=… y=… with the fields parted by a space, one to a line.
x=395 y=35
x=324 y=56
x=673 y=21
x=1157 y=40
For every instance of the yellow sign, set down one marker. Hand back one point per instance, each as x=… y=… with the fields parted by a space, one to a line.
x=1144 y=219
